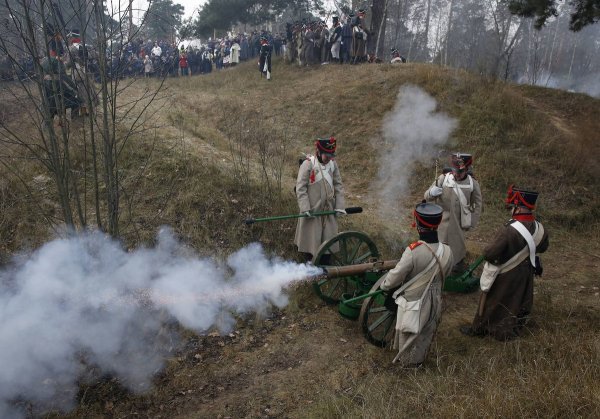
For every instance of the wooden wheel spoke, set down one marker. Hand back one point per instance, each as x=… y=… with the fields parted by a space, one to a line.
x=379 y=321
x=336 y=282
x=344 y=250
x=387 y=328
x=363 y=257
x=352 y=257
x=322 y=281
x=335 y=258
x=378 y=310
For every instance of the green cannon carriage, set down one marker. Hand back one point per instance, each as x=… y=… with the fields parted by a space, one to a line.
x=353 y=274
x=352 y=279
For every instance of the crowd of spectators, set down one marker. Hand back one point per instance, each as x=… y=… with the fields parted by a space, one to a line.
x=147 y=58
x=163 y=59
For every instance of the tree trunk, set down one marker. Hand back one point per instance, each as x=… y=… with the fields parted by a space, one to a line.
x=425 y=47
x=448 y=31
x=377 y=31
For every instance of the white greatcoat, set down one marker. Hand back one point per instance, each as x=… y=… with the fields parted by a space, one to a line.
x=419 y=260
x=319 y=188
x=452 y=228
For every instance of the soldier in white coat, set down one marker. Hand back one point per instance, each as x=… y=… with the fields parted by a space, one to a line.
x=416 y=286
x=319 y=188
x=459 y=194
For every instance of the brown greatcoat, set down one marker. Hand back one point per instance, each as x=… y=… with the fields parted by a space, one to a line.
x=315 y=194
x=450 y=230
x=510 y=299
x=413 y=347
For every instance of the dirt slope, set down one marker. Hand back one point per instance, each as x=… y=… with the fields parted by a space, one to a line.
x=307 y=361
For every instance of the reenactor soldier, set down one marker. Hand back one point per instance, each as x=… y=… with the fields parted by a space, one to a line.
x=396 y=57
x=346 y=45
x=511 y=263
x=335 y=39
x=264 y=61
x=308 y=46
x=319 y=188
x=459 y=194
x=415 y=285
x=359 y=41
x=59 y=89
x=324 y=43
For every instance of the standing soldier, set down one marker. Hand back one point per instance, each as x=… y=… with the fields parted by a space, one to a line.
x=416 y=283
x=319 y=188
x=359 y=41
x=335 y=39
x=459 y=195
x=346 y=45
x=308 y=46
x=59 y=89
x=324 y=43
x=264 y=61
x=507 y=279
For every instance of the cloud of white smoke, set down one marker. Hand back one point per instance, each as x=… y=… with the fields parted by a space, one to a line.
x=413 y=132
x=86 y=300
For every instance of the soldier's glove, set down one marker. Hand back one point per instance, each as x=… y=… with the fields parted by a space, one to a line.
x=435 y=191
x=339 y=212
x=308 y=214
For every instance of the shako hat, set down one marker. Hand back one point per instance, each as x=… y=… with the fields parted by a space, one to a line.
x=461 y=161
x=326 y=145
x=519 y=197
x=428 y=215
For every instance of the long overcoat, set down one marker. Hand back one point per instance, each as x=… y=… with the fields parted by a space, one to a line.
x=510 y=299
x=316 y=194
x=450 y=230
x=413 y=347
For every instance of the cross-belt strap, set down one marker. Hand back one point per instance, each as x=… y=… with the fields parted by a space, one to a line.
x=413 y=280
x=451 y=182
x=517 y=225
x=322 y=173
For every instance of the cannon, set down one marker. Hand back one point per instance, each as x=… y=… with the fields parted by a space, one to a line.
x=353 y=271
x=352 y=278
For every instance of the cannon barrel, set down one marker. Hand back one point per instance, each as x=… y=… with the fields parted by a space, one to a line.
x=352 y=270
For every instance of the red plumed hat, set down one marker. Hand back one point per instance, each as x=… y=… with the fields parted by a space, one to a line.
x=518 y=197
x=326 y=145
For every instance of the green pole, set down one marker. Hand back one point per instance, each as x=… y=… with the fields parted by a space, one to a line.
x=351 y=210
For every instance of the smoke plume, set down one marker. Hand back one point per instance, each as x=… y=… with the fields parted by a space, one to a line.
x=413 y=132
x=84 y=301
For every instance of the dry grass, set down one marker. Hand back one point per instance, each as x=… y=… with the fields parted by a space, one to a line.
x=307 y=361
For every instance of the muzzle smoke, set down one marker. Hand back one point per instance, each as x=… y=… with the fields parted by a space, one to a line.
x=413 y=132
x=86 y=301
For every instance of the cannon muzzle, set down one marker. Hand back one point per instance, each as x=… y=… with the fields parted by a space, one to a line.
x=353 y=270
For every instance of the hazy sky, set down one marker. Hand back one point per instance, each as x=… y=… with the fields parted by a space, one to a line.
x=189 y=5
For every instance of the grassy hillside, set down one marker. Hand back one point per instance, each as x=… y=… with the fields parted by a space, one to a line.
x=306 y=361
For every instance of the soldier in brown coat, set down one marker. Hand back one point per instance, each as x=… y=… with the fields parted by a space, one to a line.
x=507 y=279
x=416 y=284
x=319 y=188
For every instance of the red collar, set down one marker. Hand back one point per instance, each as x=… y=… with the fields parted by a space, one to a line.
x=524 y=217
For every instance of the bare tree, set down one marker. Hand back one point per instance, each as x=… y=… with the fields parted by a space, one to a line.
x=81 y=152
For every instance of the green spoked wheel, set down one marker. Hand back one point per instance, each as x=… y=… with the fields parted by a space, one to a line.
x=378 y=322
x=347 y=248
